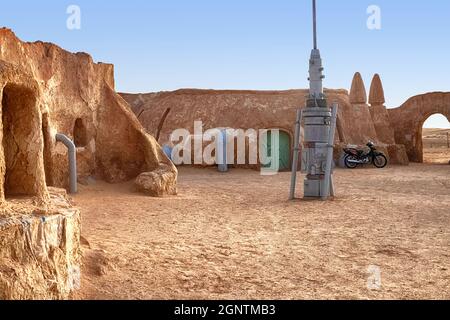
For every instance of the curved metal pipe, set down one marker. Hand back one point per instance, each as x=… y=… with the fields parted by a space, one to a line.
x=72 y=160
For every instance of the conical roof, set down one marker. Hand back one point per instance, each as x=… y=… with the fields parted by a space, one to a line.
x=358 y=94
x=376 y=95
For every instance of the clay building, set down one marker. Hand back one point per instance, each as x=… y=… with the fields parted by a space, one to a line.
x=46 y=91
x=362 y=116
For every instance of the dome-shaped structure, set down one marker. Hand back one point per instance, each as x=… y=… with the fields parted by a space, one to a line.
x=376 y=95
x=358 y=94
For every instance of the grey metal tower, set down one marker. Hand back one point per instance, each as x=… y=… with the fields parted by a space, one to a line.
x=319 y=131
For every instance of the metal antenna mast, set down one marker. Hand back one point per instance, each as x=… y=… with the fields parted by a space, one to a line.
x=315 y=24
x=315 y=68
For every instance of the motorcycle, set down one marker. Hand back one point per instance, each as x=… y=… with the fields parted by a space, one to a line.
x=355 y=157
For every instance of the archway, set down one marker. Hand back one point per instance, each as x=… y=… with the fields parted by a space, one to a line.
x=408 y=120
x=20 y=122
x=436 y=140
x=284 y=148
x=48 y=164
x=80 y=134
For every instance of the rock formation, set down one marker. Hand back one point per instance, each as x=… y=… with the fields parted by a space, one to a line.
x=40 y=256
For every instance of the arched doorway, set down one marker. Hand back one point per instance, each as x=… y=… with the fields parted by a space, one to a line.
x=284 y=150
x=408 y=120
x=436 y=140
x=48 y=162
x=80 y=133
x=20 y=123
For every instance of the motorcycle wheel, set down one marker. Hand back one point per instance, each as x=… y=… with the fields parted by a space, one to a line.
x=380 y=161
x=348 y=164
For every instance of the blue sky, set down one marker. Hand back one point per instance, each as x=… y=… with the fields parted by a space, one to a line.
x=249 y=44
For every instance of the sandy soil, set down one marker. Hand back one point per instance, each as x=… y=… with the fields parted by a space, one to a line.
x=436 y=148
x=235 y=236
x=436 y=155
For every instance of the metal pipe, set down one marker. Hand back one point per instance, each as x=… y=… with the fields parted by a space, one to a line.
x=316 y=69
x=332 y=193
x=72 y=161
x=297 y=139
x=315 y=24
x=222 y=151
x=328 y=187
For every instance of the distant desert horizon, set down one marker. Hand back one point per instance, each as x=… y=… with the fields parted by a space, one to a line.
x=436 y=143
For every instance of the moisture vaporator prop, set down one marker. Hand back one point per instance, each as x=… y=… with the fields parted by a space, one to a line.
x=319 y=127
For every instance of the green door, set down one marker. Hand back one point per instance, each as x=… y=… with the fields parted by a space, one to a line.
x=284 y=150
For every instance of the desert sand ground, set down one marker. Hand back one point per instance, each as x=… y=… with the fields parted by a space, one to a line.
x=436 y=148
x=235 y=236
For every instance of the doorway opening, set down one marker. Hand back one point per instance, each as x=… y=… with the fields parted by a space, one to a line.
x=21 y=155
x=284 y=148
x=47 y=149
x=80 y=134
x=436 y=140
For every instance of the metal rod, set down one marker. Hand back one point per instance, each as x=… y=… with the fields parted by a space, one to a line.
x=328 y=189
x=332 y=193
x=222 y=150
x=298 y=128
x=315 y=24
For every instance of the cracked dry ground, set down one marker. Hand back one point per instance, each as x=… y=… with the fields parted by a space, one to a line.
x=234 y=236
